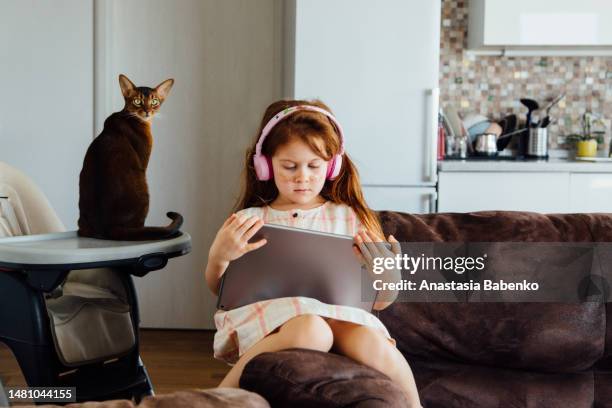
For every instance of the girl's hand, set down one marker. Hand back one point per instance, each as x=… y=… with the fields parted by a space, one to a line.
x=369 y=247
x=232 y=240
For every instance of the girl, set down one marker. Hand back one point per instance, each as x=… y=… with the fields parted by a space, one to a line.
x=297 y=174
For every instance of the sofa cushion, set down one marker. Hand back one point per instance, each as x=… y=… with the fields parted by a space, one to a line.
x=217 y=398
x=538 y=336
x=443 y=385
x=307 y=378
x=603 y=389
x=497 y=226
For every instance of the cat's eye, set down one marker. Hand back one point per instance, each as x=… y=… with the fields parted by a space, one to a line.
x=155 y=102
x=137 y=101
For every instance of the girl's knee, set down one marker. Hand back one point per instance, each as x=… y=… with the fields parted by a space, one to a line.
x=371 y=348
x=309 y=332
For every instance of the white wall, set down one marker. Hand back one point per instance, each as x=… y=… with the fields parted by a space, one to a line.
x=225 y=58
x=46 y=96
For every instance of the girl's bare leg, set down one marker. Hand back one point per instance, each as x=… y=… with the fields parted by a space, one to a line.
x=305 y=331
x=370 y=347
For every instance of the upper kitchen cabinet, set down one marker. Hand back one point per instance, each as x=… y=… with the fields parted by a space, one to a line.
x=376 y=65
x=553 y=27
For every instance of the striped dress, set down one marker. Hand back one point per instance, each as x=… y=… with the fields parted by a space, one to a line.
x=241 y=328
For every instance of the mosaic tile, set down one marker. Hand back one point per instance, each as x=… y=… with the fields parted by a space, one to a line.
x=493 y=85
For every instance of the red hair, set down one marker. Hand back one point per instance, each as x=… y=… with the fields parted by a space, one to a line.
x=312 y=128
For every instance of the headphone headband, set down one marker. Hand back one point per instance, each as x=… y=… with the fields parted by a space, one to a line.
x=288 y=111
x=263 y=164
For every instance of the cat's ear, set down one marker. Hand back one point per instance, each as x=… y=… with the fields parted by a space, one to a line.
x=163 y=89
x=127 y=87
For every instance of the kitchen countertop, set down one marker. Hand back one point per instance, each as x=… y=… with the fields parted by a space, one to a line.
x=550 y=165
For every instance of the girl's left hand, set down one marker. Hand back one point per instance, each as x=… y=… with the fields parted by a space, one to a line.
x=368 y=247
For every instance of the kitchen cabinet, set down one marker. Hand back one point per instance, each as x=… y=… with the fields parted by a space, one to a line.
x=591 y=192
x=544 y=192
x=377 y=68
x=539 y=24
x=408 y=200
x=551 y=186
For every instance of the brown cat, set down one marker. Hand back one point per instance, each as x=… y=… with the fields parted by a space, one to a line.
x=114 y=197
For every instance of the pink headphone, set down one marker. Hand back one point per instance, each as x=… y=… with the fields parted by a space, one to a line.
x=263 y=164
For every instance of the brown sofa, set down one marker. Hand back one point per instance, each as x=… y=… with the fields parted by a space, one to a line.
x=467 y=354
x=463 y=355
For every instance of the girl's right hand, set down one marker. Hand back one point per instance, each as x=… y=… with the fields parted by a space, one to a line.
x=232 y=240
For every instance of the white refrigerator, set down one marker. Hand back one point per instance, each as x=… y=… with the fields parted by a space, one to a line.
x=376 y=65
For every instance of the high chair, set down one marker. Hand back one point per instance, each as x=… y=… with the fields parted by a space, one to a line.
x=68 y=306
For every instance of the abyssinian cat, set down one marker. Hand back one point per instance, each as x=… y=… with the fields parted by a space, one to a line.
x=114 y=197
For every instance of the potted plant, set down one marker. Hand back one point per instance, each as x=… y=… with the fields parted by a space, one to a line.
x=586 y=143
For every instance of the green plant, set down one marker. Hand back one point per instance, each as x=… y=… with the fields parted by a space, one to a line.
x=587 y=132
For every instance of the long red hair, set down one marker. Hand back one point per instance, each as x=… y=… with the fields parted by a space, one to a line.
x=311 y=128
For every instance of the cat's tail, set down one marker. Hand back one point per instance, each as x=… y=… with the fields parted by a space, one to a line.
x=148 y=233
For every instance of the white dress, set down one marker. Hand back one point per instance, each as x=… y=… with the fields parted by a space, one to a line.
x=239 y=329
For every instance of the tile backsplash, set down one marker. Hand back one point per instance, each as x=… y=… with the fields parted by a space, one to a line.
x=493 y=85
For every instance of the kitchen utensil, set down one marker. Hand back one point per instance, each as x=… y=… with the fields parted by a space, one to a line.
x=531 y=106
x=538 y=143
x=494 y=128
x=472 y=119
x=486 y=144
x=445 y=122
x=454 y=121
x=545 y=121
x=508 y=125
x=554 y=102
x=508 y=135
x=477 y=129
x=450 y=149
x=462 y=146
x=441 y=137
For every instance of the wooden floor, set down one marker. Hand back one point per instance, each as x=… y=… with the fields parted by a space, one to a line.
x=175 y=359
x=179 y=359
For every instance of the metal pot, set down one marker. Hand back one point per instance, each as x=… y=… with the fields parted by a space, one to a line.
x=486 y=144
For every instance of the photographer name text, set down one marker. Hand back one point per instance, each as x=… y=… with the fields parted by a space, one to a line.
x=487 y=285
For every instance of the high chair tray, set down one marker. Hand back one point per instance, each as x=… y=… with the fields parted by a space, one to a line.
x=68 y=251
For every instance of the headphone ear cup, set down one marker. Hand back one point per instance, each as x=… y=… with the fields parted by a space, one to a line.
x=270 y=168
x=263 y=167
x=334 y=166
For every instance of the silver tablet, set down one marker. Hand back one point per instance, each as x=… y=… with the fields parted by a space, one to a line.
x=297 y=262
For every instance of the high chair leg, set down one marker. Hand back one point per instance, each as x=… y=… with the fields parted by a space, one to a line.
x=3 y=397
x=147 y=387
x=38 y=364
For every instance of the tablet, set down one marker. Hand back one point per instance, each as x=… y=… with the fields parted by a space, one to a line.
x=297 y=262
